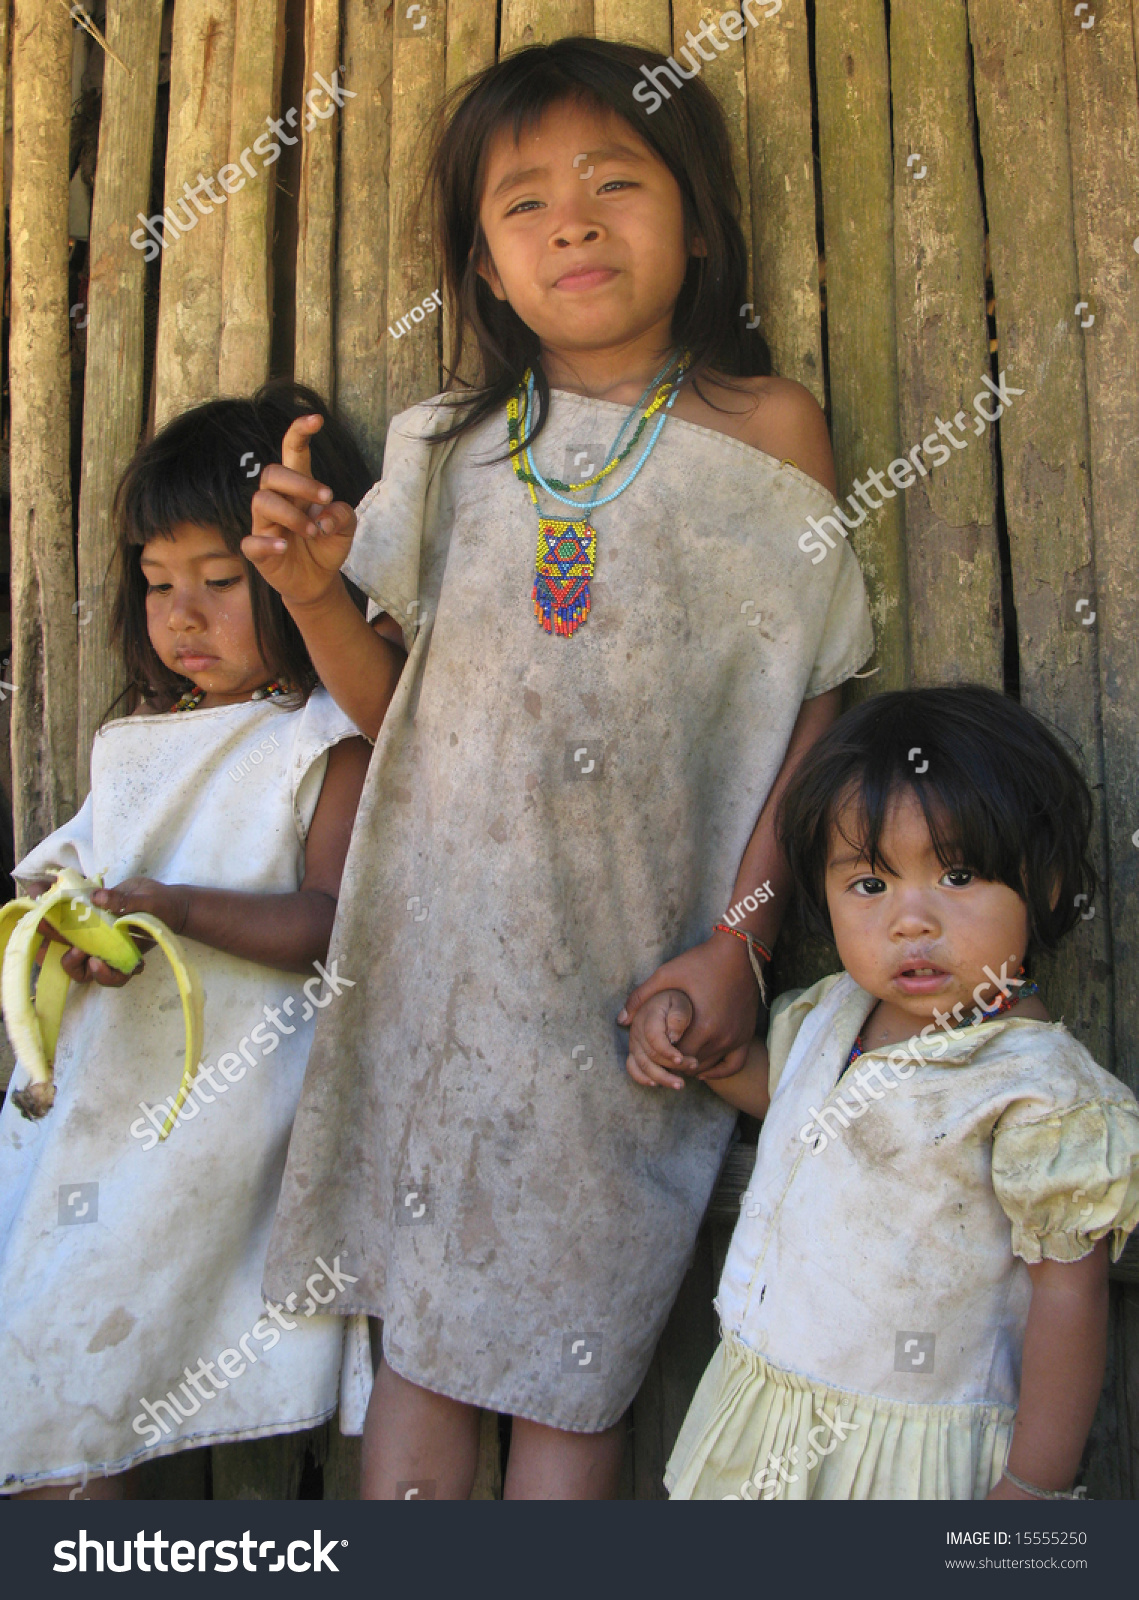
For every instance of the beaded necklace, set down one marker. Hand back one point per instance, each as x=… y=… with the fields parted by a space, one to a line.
x=1005 y=1003
x=194 y=697
x=567 y=548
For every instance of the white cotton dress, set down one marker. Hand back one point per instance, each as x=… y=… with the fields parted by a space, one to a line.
x=125 y=1261
x=875 y=1293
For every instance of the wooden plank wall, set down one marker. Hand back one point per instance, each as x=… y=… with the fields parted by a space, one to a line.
x=933 y=191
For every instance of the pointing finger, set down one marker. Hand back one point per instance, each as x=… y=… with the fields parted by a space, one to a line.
x=295 y=444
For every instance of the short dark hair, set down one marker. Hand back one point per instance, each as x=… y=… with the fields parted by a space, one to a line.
x=689 y=135
x=194 y=470
x=998 y=789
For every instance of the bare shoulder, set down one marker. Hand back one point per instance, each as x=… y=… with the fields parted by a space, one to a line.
x=776 y=415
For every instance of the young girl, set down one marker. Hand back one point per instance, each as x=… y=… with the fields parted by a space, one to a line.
x=131 y=1317
x=914 y=1303
x=575 y=770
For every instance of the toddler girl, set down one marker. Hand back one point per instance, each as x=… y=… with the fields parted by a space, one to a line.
x=914 y=1302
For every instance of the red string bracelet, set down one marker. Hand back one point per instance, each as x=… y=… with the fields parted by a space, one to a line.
x=753 y=945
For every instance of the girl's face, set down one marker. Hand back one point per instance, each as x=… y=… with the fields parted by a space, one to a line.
x=920 y=937
x=585 y=231
x=198 y=613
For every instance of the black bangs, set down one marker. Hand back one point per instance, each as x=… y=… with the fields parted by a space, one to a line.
x=999 y=792
x=686 y=131
x=203 y=468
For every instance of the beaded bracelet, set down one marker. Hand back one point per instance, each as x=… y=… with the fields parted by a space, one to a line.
x=753 y=945
x=1038 y=1493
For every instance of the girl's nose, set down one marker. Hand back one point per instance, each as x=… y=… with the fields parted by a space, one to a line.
x=915 y=918
x=575 y=231
x=184 y=614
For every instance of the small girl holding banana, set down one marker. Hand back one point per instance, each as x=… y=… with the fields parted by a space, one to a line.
x=131 y=1318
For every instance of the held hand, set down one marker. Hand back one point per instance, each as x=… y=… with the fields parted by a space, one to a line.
x=717 y=978
x=652 y=1041
x=301 y=537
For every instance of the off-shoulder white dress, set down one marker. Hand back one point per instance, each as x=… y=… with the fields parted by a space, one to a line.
x=126 y=1264
x=546 y=820
x=875 y=1293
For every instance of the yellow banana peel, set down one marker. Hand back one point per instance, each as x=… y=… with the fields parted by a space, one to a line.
x=33 y=1023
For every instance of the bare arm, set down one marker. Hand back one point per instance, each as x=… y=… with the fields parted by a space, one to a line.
x=287 y=931
x=1065 y=1345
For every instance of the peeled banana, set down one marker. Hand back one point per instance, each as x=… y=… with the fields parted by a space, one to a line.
x=33 y=1024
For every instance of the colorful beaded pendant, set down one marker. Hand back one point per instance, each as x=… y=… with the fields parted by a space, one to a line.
x=567 y=549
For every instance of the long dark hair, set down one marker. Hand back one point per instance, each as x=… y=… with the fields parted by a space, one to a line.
x=1000 y=793
x=194 y=470
x=688 y=134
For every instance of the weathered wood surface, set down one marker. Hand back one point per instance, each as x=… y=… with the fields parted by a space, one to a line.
x=44 y=653
x=114 y=375
x=247 y=293
x=858 y=208
x=262 y=1469
x=417 y=66
x=1104 y=123
x=470 y=48
x=362 y=241
x=316 y=231
x=634 y=21
x=721 y=63
x=541 y=21
x=197 y=147
x=1024 y=137
x=785 y=251
x=943 y=352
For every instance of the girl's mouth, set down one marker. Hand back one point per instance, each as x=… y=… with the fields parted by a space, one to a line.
x=196 y=663
x=585 y=278
x=921 y=979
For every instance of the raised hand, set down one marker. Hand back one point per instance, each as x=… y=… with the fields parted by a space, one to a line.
x=301 y=537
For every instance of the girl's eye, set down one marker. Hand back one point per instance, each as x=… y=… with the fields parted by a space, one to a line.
x=869 y=886
x=157 y=588
x=617 y=183
x=523 y=205
x=223 y=583
x=958 y=877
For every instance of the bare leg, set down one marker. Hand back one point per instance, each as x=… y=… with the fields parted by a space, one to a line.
x=123 y=1486
x=551 y=1464
x=414 y=1440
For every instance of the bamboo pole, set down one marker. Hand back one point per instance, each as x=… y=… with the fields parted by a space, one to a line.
x=785 y=254
x=1023 y=124
x=316 y=226
x=726 y=75
x=542 y=21
x=418 y=68
x=44 y=655
x=1102 y=94
x=943 y=350
x=114 y=376
x=247 y=287
x=857 y=185
x=362 y=253
x=197 y=147
x=635 y=21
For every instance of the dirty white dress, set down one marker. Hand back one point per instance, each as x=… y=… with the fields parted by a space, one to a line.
x=125 y=1262
x=876 y=1290
x=546 y=820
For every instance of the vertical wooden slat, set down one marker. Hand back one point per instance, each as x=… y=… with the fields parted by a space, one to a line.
x=470 y=48
x=943 y=350
x=114 y=377
x=417 y=67
x=1102 y=94
x=634 y=21
x=44 y=654
x=541 y=21
x=316 y=229
x=785 y=261
x=247 y=294
x=726 y=75
x=197 y=147
x=1023 y=124
x=261 y=1469
x=857 y=186
x=362 y=224
x=488 y=1470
